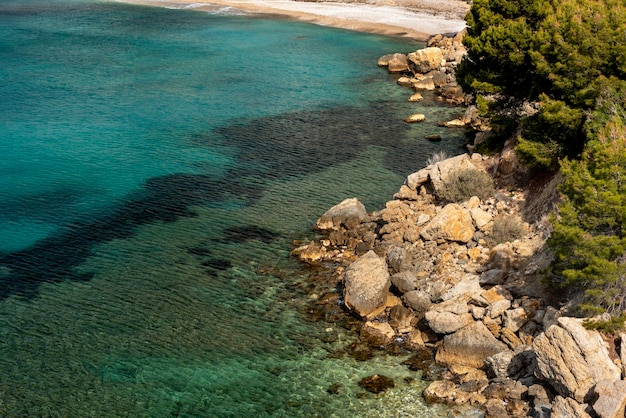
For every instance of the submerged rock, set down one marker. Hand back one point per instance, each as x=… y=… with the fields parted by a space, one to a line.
x=417 y=117
x=377 y=334
x=360 y=351
x=376 y=383
x=334 y=388
x=421 y=360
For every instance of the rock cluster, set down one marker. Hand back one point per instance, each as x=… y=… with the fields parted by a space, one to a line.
x=429 y=277
x=431 y=68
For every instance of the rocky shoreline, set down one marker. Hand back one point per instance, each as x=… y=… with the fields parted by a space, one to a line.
x=450 y=270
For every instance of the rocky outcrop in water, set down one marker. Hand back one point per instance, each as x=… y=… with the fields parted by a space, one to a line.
x=458 y=283
x=430 y=68
x=430 y=276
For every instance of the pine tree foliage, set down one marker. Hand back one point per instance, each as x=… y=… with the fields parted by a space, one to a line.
x=552 y=51
x=589 y=238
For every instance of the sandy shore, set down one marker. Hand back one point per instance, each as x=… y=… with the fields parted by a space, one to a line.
x=416 y=19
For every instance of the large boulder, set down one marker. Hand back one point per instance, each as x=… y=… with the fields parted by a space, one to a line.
x=395 y=63
x=573 y=359
x=417 y=300
x=482 y=219
x=402 y=319
x=366 y=284
x=469 y=346
x=405 y=281
x=467 y=287
x=514 y=319
x=611 y=400
x=425 y=60
x=348 y=214
x=498 y=364
x=425 y=84
x=443 y=322
x=398 y=63
x=453 y=223
x=418 y=178
x=439 y=173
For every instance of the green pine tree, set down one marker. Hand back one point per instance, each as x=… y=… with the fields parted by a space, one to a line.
x=589 y=237
x=551 y=51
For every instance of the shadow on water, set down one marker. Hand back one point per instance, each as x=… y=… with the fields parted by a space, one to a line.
x=270 y=148
x=291 y=144
x=164 y=199
x=245 y=233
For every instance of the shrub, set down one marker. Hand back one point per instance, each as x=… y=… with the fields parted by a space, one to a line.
x=505 y=229
x=537 y=154
x=465 y=183
x=610 y=325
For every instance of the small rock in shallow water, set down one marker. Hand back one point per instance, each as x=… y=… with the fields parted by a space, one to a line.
x=360 y=351
x=333 y=389
x=376 y=383
x=418 y=117
x=421 y=360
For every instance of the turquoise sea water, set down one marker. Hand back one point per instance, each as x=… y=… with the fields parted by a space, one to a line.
x=155 y=167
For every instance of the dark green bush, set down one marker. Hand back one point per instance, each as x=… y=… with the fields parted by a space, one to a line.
x=539 y=154
x=552 y=52
x=589 y=236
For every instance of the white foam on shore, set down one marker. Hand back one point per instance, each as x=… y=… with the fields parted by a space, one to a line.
x=193 y=5
x=229 y=11
x=206 y=7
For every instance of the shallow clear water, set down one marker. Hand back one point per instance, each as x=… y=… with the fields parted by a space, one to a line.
x=155 y=166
